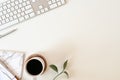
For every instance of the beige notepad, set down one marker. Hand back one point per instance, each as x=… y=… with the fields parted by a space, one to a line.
x=11 y=65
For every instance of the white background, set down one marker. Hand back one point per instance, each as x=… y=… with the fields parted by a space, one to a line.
x=87 y=32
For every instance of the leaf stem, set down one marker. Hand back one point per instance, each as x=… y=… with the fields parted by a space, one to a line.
x=58 y=75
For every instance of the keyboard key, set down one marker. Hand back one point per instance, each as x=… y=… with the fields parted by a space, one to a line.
x=7 y=15
x=1 y=13
x=24 y=4
x=46 y=9
x=32 y=14
x=11 y=14
x=8 y=24
x=53 y=6
x=28 y=2
x=40 y=7
x=24 y=0
x=14 y=16
x=53 y=1
x=3 y=17
x=4 y=12
x=11 y=18
x=23 y=9
x=62 y=1
x=3 y=21
x=12 y=0
x=20 y=5
x=15 y=12
x=8 y=1
x=19 y=10
x=33 y=0
x=4 y=7
x=8 y=5
x=20 y=1
x=16 y=2
x=26 y=16
x=28 y=11
x=4 y=3
x=1 y=8
x=8 y=10
x=12 y=9
x=16 y=7
x=0 y=5
x=22 y=13
x=0 y=18
x=0 y=23
x=28 y=7
x=50 y=2
x=7 y=20
x=12 y=4
x=18 y=15
x=38 y=12
x=21 y=18
x=42 y=10
x=59 y=3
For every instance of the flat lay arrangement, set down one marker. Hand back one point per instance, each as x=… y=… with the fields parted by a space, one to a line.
x=59 y=39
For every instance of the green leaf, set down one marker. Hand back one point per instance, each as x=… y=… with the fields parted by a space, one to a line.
x=65 y=64
x=66 y=73
x=54 y=67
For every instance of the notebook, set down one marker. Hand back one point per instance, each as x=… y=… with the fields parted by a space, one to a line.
x=11 y=65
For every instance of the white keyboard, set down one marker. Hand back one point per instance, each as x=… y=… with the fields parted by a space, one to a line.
x=16 y=11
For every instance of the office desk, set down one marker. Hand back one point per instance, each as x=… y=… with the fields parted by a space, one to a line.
x=86 y=32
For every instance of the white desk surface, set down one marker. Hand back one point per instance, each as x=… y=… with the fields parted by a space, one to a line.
x=87 y=32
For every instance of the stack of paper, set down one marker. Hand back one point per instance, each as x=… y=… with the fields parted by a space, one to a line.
x=11 y=65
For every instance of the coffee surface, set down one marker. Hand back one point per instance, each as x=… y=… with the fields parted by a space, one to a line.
x=34 y=67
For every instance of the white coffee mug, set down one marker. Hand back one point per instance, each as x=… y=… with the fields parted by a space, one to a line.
x=35 y=65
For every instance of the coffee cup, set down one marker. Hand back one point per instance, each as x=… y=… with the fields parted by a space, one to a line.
x=35 y=65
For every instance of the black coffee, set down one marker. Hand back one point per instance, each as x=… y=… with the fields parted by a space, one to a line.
x=34 y=67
